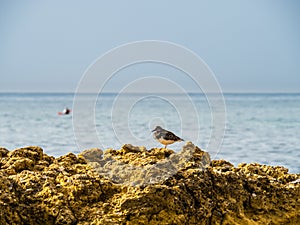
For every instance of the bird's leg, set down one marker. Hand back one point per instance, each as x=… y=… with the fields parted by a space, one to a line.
x=165 y=146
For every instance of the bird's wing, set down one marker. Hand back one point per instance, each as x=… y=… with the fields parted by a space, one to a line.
x=170 y=136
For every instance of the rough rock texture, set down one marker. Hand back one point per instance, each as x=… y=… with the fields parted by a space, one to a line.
x=138 y=166
x=39 y=189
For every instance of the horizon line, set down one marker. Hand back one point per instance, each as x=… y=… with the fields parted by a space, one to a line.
x=70 y=92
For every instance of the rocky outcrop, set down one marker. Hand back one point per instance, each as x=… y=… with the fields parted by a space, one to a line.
x=137 y=166
x=134 y=185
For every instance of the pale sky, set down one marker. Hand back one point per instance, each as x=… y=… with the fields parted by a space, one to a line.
x=251 y=46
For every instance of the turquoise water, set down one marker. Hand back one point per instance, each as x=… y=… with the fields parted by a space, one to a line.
x=262 y=128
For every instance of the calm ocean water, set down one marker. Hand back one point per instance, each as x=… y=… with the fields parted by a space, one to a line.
x=263 y=128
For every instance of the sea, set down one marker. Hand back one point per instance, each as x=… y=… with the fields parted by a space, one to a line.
x=262 y=128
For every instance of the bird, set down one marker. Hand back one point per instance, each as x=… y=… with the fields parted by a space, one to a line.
x=165 y=137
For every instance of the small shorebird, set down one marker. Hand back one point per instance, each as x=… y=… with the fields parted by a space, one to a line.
x=164 y=136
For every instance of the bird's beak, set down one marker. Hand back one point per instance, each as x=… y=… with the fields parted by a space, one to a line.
x=153 y=130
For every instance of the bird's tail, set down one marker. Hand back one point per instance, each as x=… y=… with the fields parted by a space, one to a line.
x=181 y=139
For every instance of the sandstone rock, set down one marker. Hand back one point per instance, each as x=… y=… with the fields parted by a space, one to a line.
x=114 y=187
x=3 y=152
x=94 y=154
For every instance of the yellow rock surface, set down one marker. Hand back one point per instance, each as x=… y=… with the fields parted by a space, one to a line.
x=134 y=185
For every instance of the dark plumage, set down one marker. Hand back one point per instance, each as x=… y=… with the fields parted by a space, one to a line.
x=165 y=137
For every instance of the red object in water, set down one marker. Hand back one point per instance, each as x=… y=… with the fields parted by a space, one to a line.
x=62 y=113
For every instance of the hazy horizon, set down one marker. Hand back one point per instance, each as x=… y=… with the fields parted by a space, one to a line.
x=60 y=92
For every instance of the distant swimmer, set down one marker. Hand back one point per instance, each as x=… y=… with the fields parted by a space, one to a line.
x=66 y=111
